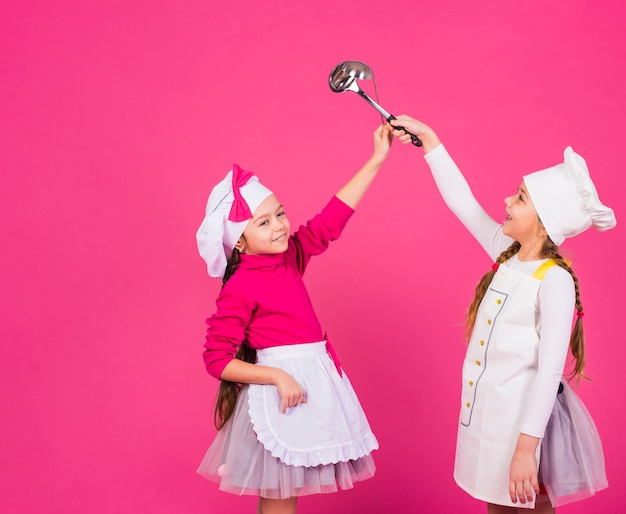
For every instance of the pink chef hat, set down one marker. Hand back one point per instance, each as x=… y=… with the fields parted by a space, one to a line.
x=566 y=199
x=228 y=210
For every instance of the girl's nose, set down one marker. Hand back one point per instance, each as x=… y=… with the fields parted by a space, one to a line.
x=278 y=223
x=507 y=200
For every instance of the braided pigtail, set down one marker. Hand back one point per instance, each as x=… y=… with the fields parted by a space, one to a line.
x=577 y=339
x=231 y=266
x=228 y=391
x=481 y=288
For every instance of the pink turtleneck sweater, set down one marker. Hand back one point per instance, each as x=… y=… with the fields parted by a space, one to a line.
x=265 y=302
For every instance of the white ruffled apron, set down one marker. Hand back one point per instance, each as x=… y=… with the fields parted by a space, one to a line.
x=330 y=427
x=320 y=446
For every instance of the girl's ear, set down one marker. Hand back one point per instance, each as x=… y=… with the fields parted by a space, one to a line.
x=241 y=245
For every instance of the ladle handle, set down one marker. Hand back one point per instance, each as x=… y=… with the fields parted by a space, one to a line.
x=414 y=139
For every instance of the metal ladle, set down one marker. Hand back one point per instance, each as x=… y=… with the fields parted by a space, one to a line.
x=344 y=78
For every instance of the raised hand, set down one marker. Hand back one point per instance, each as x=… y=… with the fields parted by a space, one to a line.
x=383 y=138
x=426 y=135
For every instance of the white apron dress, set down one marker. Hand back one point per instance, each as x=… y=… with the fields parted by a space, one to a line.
x=498 y=371
x=319 y=446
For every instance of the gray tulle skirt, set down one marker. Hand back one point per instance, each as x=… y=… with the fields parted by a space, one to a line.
x=572 y=460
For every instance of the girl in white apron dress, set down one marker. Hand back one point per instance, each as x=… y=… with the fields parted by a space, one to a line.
x=289 y=422
x=522 y=431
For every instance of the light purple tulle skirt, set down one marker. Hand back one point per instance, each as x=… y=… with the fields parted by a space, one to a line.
x=242 y=464
x=572 y=460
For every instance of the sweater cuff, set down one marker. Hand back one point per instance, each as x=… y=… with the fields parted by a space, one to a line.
x=338 y=208
x=216 y=368
x=436 y=154
x=336 y=215
x=532 y=431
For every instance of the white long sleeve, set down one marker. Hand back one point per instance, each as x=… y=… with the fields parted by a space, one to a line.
x=460 y=200
x=555 y=301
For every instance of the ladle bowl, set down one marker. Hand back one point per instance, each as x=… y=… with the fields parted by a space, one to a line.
x=345 y=74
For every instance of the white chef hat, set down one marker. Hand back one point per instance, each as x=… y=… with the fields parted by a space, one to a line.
x=566 y=199
x=228 y=210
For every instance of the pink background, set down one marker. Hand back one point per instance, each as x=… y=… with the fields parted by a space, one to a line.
x=117 y=119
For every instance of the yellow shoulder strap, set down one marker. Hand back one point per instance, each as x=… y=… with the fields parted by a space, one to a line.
x=541 y=271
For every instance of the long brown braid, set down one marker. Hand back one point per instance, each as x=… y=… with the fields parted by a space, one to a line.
x=549 y=251
x=228 y=391
x=577 y=339
x=231 y=266
x=483 y=285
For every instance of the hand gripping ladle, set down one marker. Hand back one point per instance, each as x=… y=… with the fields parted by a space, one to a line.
x=344 y=78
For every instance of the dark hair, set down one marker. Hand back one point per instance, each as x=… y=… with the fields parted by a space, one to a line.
x=231 y=266
x=228 y=391
x=549 y=251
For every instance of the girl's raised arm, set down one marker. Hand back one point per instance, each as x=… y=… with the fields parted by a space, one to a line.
x=352 y=193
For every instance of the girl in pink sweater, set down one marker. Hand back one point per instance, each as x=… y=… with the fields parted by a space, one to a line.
x=289 y=422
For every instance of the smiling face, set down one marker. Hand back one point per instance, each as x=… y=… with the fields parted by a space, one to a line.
x=522 y=222
x=268 y=230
